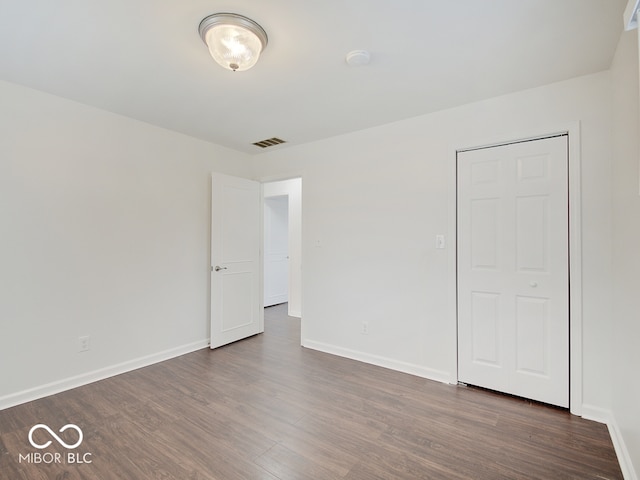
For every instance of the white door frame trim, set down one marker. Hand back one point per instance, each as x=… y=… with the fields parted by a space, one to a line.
x=575 y=247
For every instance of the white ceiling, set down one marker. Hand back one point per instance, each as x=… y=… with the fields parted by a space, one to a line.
x=144 y=59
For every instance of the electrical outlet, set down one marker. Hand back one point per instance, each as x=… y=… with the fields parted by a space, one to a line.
x=365 y=328
x=83 y=343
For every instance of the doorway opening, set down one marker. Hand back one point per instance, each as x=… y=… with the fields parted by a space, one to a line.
x=282 y=244
x=237 y=264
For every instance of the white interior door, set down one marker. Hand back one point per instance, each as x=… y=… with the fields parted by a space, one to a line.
x=513 y=281
x=276 y=250
x=235 y=258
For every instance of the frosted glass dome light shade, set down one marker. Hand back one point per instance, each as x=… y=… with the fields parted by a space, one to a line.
x=234 y=41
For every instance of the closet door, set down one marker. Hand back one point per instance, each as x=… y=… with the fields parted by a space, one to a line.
x=513 y=264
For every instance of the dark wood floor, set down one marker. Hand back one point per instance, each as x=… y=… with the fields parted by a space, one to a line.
x=265 y=408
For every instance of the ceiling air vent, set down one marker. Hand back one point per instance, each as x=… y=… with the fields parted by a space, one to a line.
x=269 y=142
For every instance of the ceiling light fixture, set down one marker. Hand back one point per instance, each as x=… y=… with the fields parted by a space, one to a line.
x=234 y=41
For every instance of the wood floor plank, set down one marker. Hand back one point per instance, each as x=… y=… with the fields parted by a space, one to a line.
x=266 y=408
x=286 y=464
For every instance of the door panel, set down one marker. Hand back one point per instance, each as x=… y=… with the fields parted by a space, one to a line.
x=532 y=240
x=513 y=310
x=485 y=233
x=235 y=258
x=276 y=250
x=532 y=320
x=236 y=306
x=485 y=308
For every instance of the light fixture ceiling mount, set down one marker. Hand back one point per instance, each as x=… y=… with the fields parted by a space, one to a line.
x=234 y=41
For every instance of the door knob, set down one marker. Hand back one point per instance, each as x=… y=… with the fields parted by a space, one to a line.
x=218 y=268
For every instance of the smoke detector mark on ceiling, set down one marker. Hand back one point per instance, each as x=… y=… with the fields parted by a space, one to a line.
x=269 y=142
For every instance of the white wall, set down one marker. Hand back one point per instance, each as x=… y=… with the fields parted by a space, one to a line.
x=626 y=249
x=292 y=188
x=104 y=232
x=375 y=199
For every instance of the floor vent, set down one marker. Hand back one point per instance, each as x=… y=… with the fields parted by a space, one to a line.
x=269 y=142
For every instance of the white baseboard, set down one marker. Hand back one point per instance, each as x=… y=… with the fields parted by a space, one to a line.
x=58 y=386
x=276 y=300
x=602 y=415
x=597 y=414
x=405 y=367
